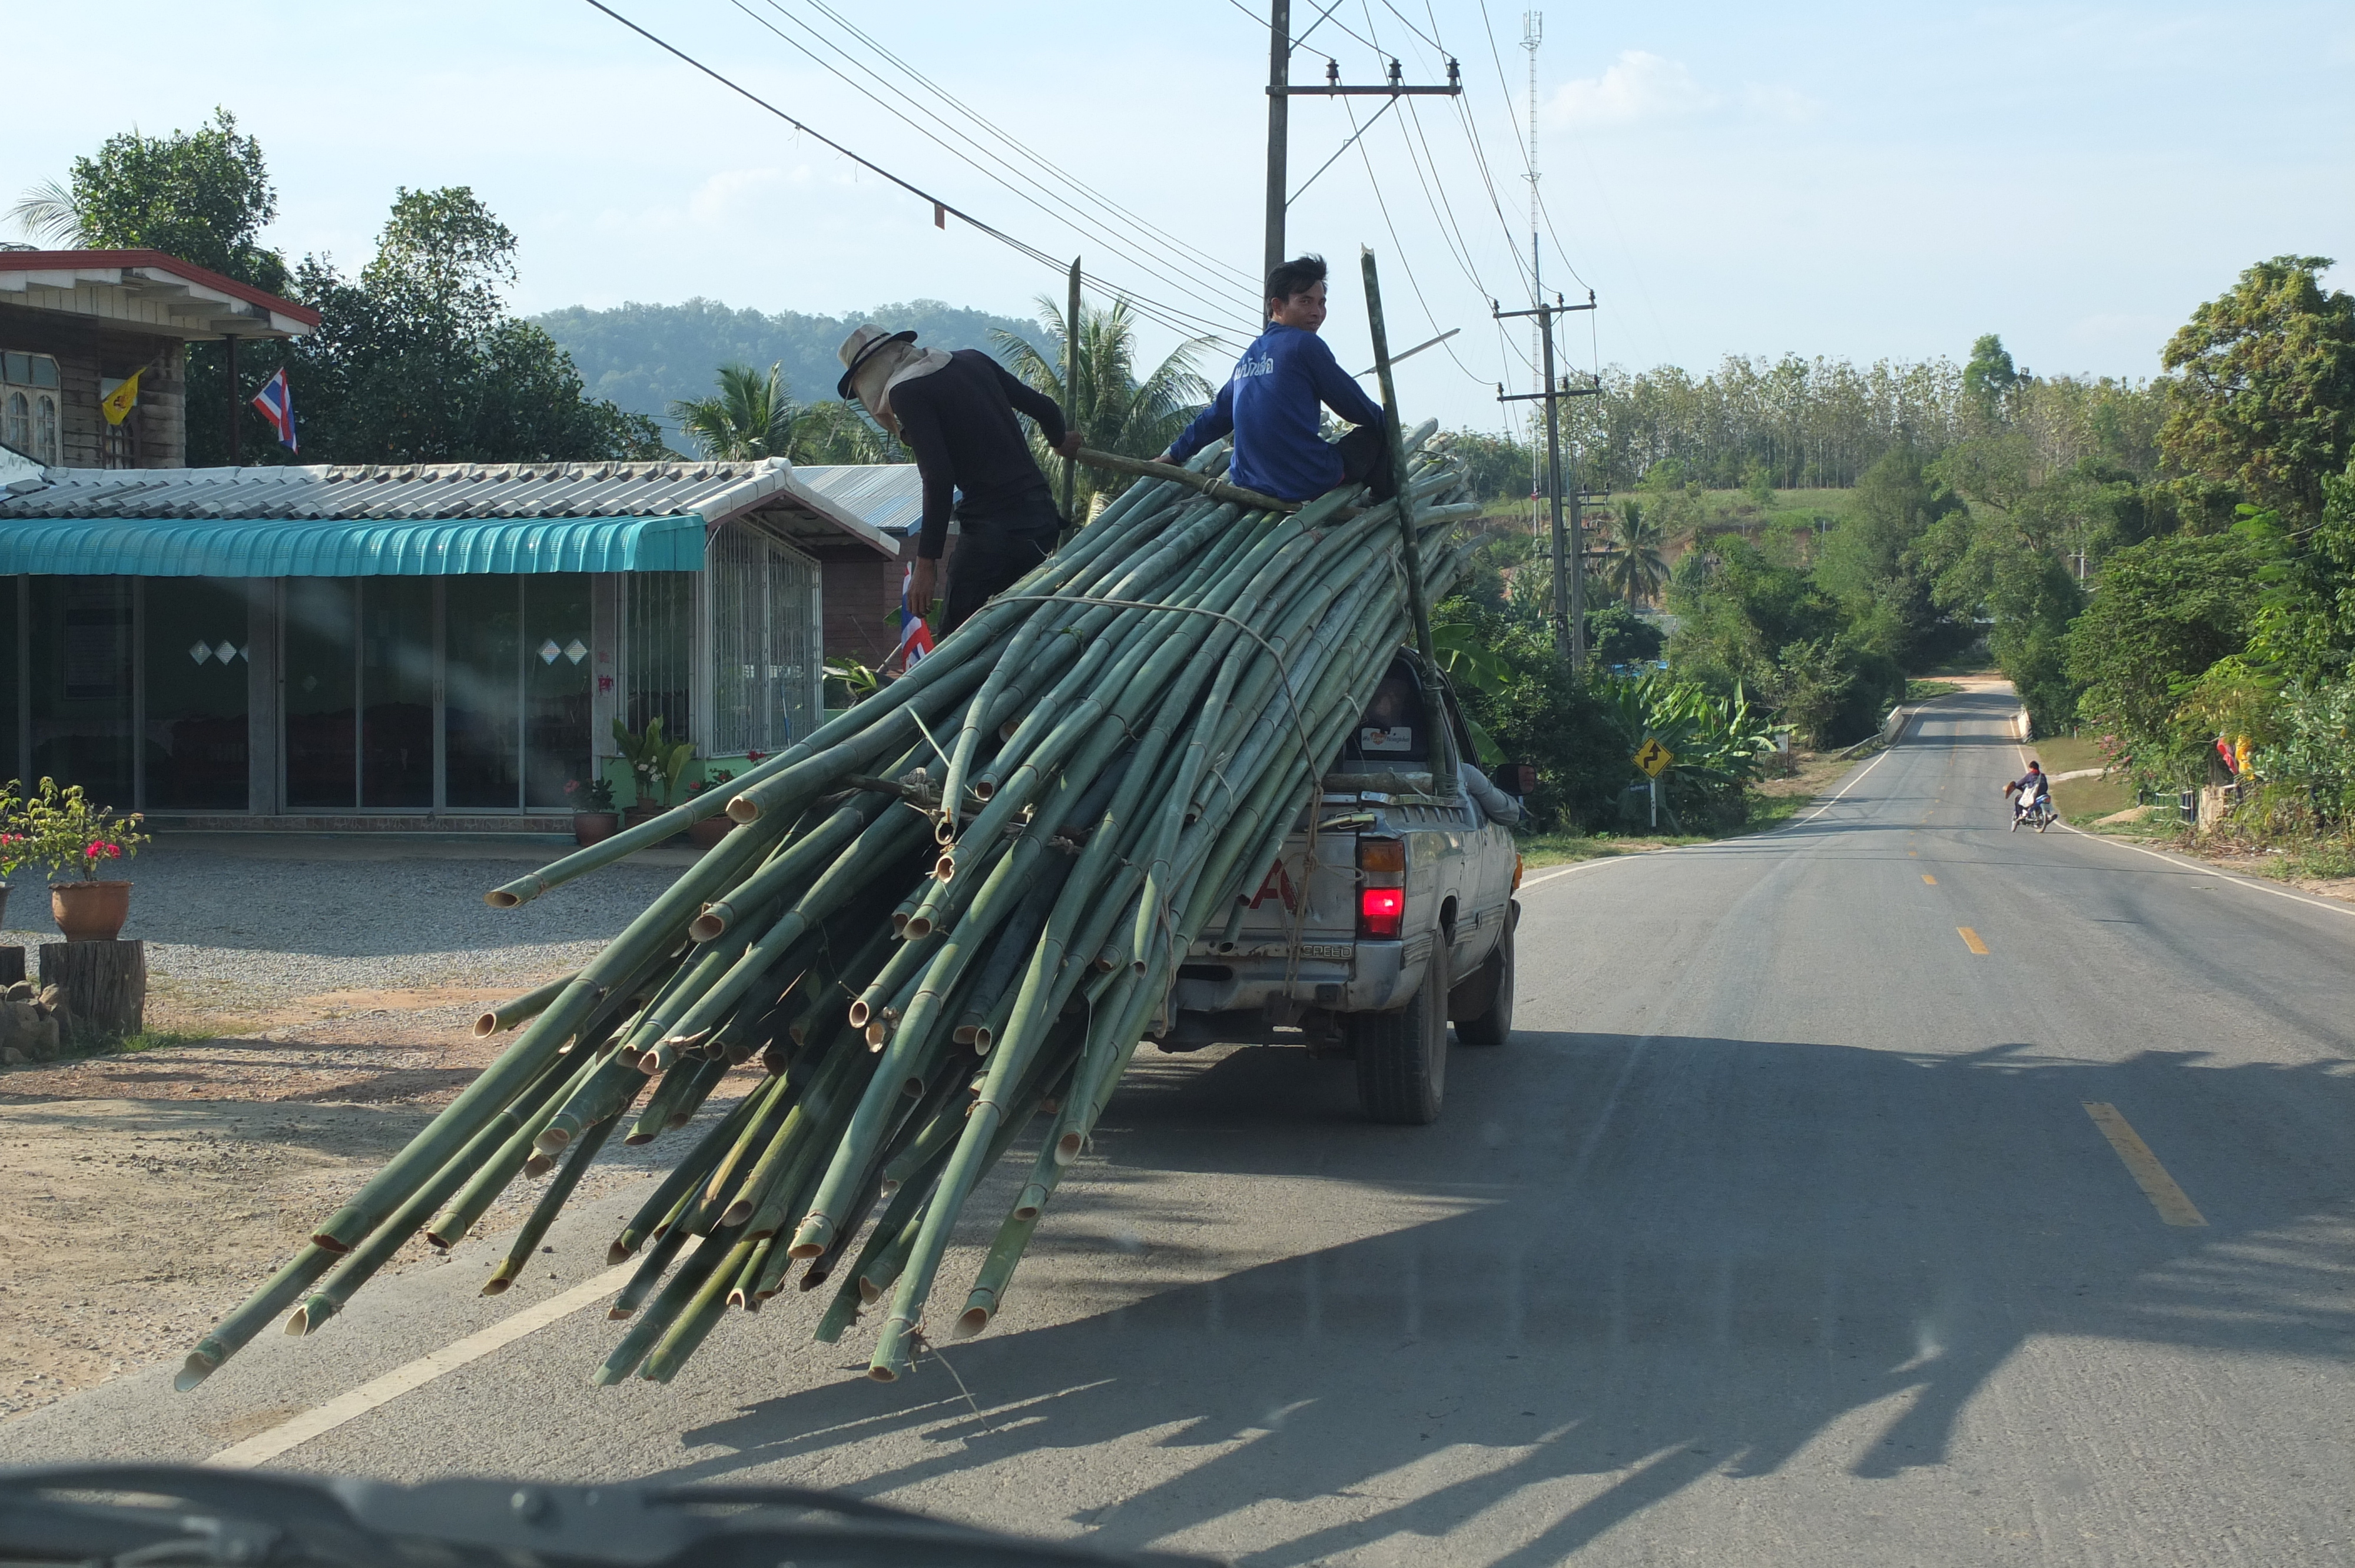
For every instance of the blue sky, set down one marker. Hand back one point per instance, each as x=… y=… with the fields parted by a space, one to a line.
x=1859 y=181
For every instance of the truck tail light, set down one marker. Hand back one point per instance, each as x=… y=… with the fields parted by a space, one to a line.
x=1383 y=861
x=1380 y=911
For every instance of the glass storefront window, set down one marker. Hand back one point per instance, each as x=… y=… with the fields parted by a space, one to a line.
x=320 y=635
x=195 y=748
x=12 y=764
x=556 y=687
x=397 y=692
x=481 y=724
x=81 y=686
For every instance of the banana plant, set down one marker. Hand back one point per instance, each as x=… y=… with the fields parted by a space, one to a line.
x=656 y=765
x=1470 y=665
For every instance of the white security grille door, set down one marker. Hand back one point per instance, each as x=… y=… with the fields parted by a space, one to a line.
x=765 y=641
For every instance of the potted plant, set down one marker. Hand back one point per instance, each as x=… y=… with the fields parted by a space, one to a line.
x=656 y=765
x=593 y=817
x=64 y=829
x=713 y=828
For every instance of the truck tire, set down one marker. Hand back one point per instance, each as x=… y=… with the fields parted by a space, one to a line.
x=1403 y=1054
x=1494 y=1026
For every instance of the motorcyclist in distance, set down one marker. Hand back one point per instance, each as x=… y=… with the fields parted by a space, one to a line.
x=2033 y=789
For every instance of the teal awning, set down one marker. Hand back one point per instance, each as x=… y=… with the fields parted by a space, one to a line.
x=357 y=547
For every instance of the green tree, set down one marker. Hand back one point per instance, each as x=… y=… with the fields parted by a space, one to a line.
x=2264 y=405
x=2168 y=610
x=1990 y=378
x=203 y=195
x=1116 y=411
x=1872 y=563
x=1633 y=567
x=416 y=360
x=1617 y=635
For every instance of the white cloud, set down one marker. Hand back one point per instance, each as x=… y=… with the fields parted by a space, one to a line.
x=1638 y=86
x=724 y=194
x=1781 y=104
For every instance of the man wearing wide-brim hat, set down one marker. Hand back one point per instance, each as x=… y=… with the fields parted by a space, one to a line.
x=955 y=413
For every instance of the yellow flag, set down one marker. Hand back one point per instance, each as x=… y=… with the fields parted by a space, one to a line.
x=116 y=404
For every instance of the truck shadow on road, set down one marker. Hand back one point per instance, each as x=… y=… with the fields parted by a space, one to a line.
x=1663 y=1260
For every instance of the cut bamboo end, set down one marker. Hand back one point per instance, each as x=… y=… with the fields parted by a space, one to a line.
x=634 y=1138
x=965 y=1033
x=875 y=1033
x=551 y=1141
x=443 y=1239
x=736 y=1298
x=744 y=809
x=193 y=1370
x=899 y=922
x=882 y=1373
x=1033 y=1199
x=497 y=1285
x=816 y=1274
x=981 y=1041
x=539 y=1165
x=500 y=898
x=676 y=1120
x=917 y=927
x=298 y=1322
x=1067 y=1148
x=620 y=1252
x=710 y=926
x=891 y=1184
x=736 y=1212
x=977 y=1315
x=912 y=1086
x=616 y=1315
x=812 y=1239
x=655 y=1062
x=486 y=1025
x=869 y=1292
x=860 y=1013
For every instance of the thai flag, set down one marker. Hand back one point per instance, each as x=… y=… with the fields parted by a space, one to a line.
x=277 y=406
x=915 y=634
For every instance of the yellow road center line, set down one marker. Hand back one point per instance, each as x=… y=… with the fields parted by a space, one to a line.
x=2170 y=1199
x=264 y=1447
x=1971 y=940
x=1928 y=878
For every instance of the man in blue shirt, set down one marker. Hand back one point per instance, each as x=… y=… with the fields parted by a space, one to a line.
x=1270 y=403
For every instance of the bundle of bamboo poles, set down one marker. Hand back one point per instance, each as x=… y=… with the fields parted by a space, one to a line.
x=946 y=916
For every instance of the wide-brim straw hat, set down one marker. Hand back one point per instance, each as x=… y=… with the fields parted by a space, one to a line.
x=863 y=342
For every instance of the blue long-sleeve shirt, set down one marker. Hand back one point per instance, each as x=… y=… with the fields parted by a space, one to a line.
x=1270 y=407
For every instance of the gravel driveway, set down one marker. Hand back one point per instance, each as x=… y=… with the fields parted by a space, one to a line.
x=264 y=916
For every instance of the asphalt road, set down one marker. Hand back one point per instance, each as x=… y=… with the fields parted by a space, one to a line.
x=1780 y=1233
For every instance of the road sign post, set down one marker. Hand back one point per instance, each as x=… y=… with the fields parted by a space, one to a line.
x=1654 y=759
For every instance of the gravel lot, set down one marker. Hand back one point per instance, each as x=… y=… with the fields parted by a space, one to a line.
x=329 y=985
x=234 y=919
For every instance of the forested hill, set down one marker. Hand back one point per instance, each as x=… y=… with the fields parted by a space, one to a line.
x=643 y=356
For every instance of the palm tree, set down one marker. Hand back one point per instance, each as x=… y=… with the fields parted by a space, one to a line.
x=1117 y=413
x=1632 y=564
x=48 y=211
x=751 y=417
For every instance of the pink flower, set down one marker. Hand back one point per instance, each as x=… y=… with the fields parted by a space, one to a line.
x=101 y=850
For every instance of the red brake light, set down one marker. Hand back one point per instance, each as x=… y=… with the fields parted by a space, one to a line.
x=1380 y=911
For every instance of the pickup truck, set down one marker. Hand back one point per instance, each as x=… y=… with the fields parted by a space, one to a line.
x=1388 y=915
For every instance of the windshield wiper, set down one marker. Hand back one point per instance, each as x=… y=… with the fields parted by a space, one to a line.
x=162 y=1516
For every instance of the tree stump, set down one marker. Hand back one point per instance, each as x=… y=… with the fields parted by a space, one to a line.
x=12 y=965
x=101 y=987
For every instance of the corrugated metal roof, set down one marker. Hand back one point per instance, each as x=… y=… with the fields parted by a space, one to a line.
x=891 y=495
x=263 y=547
x=423 y=519
x=406 y=491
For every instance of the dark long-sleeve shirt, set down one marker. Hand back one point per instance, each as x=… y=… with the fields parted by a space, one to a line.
x=1270 y=405
x=959 y=423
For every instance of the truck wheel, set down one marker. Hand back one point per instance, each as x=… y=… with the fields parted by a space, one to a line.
x=1403 y=1055
x=1495 y=1025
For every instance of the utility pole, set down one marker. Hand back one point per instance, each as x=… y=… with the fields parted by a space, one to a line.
x=1532 y=34
x=1280 y=94
x=1569 y=557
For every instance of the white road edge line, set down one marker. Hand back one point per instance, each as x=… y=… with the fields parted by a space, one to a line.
x=264 y=1447
x=2181 y=863
x=1649 y=854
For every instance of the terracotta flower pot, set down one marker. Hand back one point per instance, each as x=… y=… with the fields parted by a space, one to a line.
x=89 y=911
x=4 y=904
x=592 y=827
x=710 y=830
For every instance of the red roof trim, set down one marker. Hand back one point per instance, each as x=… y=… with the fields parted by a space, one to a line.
x=51 y=260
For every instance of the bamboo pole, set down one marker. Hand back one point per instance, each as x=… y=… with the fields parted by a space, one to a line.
x=1217 y=489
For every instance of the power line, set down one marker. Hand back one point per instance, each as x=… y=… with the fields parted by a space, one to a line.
x=1047 y=165
x=1145 y=305
x=1080 y=225
x=1559 y=249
